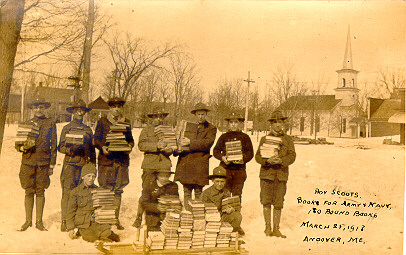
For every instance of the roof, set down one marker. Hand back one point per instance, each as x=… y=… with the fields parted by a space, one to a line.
x=388 y=108
x=54 y=95
x=374 y=104
x=99 y=104
x=14 y=103
x=398 y=117
x=316 y=102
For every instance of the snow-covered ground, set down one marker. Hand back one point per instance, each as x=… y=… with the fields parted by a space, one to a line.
x=372 y=171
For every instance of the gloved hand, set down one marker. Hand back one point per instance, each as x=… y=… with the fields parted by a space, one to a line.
x=76 y=149
x=28 y=145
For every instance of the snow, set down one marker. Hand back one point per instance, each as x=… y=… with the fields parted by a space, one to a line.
x=366 y=166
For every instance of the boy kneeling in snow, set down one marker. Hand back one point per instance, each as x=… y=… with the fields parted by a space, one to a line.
x=155 y=212
x=80 y=211
x=216 y=193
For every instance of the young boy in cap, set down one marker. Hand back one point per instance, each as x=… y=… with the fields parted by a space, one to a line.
x=160 y=186
x=113 y=165
x=192 y=169
x=216 y=193
x=156 y=155
x=76 y=155
x=236 y=174
x=274 y=174
x=80 y=210
x=38 y=161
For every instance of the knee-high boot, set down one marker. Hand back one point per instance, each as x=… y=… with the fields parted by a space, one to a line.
x=117 y=203
x=267 y=217
x=276 y=221
x=140 y=211
x=29 y=207
x=39 y=210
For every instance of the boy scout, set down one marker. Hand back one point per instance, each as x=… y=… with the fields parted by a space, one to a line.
x=38 y=161
x=216 y=193
x=80 y=211
x=274 y=174
x=236 y=174
x=113 y=165
x=76 y=155
x=192 y=169
x=156 y=155
x=150 y=194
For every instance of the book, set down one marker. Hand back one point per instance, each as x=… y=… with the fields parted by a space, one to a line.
x=271 y=146
x=234 y=150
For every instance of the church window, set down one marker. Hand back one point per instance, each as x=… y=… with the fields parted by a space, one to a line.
x=344 y=127
x=317 y=124
x=343 y=83
x=353 y=82
x=302 y=120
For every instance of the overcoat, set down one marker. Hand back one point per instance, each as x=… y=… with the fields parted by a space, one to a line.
x=193 y=165
x=281 y=171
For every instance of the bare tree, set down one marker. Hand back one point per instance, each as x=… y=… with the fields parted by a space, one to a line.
x=388 y=79
x=11 y=18
x=132 y=57
x=184 y=82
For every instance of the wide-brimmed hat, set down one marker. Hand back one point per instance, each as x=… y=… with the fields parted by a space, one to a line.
x=78 y=104
x=234 y=116
x=218 y=172
x=157 y=111
x=277 y=115
x=116 y=101
x=163 y=171
x=38 y=101
x=200 y=107
x=89 y=168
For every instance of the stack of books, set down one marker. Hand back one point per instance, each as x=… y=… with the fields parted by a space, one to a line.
x=75 y=136
x=212 y=230
x=115 y=139
x=223 y=238
x=233 y=239
x=185 y=129
x=155 y=240
x=105 y=212
x=234 y=150
x=198 y=238
x=167 y=135
x=26 y=132
x=271 y=146
x=169 y=228
x=233 y=201
x=185 y=230
x=139 y=240
x=211 y=212
x=170 y=203
x=199 y=223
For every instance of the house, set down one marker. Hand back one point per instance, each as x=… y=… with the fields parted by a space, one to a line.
x=14 y=109
x=337 y=115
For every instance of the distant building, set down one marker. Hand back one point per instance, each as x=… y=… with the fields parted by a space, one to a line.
x=336 y=115
x=380 y=111
x=14 y=109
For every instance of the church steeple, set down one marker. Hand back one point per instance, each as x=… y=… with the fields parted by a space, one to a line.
x=347 y=63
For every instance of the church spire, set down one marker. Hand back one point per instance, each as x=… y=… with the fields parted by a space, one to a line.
x=347 y=63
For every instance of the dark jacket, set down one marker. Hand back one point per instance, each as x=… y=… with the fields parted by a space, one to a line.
x=102 y=129
x=80 y=207
x=153 y=158
x=247 y=151
x=82 y=155
x=149 y=200
x=281 y=171
x=193 y=165
x=44 y=152
x=212 y=195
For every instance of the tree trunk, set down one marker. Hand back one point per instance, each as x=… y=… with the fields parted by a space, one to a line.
x=87 y=52
x=11 y=18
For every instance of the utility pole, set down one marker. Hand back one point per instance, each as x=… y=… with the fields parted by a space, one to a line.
x=87 y=51
x=76 y=87
x=248 y=81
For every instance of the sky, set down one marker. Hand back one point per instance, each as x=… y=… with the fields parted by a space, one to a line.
x=229 y=38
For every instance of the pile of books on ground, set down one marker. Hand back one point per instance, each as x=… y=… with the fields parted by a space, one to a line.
x=234 y=150
x=169 y=228
x=26 y=132
x=155 y=240
x=139 y=240
x=185 y=230
x=105 y=212
x=115 y=139
x=170 y=203
x=167 y=135
x=199 y=223
x=271 y=146
x=233 y=201
x=223 y=238
x=75 y=136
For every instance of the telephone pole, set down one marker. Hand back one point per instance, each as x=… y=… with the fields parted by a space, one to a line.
x=248 y=81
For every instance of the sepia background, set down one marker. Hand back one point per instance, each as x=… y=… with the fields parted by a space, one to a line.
x=175 y=53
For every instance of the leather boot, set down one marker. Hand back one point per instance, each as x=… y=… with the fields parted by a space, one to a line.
x=267 y=217
x=114 y=237
x=276 y=221
x=39 y=209
x=117 y=203
x=138 y=219
x=25 y=226
x=29 y=207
